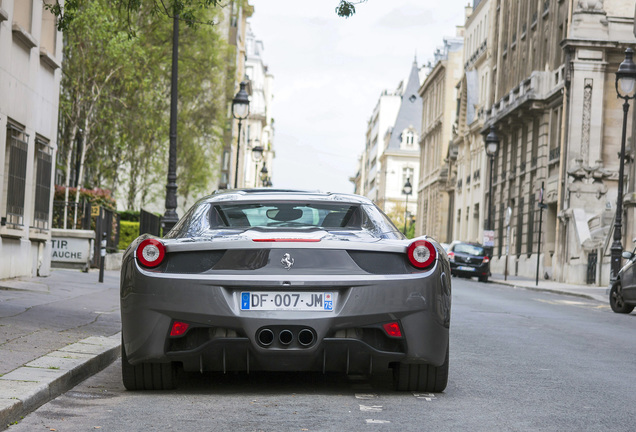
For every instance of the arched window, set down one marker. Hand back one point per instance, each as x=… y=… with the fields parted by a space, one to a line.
x=408 y=137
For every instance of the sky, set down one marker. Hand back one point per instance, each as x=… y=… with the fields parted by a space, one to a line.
x=330 y=71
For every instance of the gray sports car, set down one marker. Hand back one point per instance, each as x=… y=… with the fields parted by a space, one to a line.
x=278 y=280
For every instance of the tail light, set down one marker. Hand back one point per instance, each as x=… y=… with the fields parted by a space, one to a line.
x=421 y=253
x=486 y=260
x=150 y=252
x=451 y=256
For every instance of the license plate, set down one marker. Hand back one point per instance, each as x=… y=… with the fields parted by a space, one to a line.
x=293 y=301
x=465 y=268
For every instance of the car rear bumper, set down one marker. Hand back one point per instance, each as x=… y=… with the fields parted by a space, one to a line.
x=222 y=337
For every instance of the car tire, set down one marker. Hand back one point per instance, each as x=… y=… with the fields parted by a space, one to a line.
x=421 y=377
x=146 y=376
x=483 y=278
x=616 y=301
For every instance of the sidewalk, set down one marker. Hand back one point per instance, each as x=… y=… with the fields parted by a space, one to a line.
x=55 y=332
x=600 y=294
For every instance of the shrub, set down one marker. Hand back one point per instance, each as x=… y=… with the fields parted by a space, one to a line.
x=129 y=215
x=128 y=231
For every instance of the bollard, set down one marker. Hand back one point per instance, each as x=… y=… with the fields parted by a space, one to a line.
x=103 y=258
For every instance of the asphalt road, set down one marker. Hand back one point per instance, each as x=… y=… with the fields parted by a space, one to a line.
x=520 y=361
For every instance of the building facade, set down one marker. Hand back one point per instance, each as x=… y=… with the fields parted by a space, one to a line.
x=259 y=128
x=558 y=119
x=439 y=96
x=467 y=158
x=400 y=158
x=30 y=59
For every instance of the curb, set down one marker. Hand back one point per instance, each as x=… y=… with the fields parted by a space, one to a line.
x=28 y=387
x=548 y=290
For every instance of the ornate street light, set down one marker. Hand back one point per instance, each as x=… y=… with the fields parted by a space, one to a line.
x=492 y=144
x=407 y=190
x=257 y=156
x=264 y=177
x=625 y=83
x=240 y=111
x=170 y=218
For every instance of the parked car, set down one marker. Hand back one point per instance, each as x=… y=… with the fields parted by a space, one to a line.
x=273 y=280
x=469 y=260
x=622 y=296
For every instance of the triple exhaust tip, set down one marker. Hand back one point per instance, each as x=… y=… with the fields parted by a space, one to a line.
x=285 y=337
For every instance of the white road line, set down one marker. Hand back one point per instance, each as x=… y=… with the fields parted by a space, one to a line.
x=366 y=396
x=372 y=408
x=373 y=421
x=428 y=397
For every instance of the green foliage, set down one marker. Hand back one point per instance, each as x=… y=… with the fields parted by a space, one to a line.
x=115 y=96
x=129 y=215
x=128 y=231
x=347 y=8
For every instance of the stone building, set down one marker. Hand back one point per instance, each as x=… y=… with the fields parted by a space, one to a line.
x=556 y=114
x=400 y=158
x=467 y=158
x=30 y=59
x=439 y=96
x=255 y=166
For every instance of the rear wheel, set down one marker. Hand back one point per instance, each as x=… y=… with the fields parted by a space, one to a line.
x=421 y=377
x=146 y=376
x=483 y=278
x=616 y=301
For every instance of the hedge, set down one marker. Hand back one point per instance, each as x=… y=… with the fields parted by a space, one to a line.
x=128 y=231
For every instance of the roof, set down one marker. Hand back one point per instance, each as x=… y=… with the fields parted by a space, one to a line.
x=410 y=112
x=266 y=194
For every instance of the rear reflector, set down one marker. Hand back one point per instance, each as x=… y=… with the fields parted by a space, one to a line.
x=179 y=328
x=288 y=240
x=393 y=329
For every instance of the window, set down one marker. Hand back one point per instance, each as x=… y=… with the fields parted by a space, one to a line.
x=49 y=31
x=408 y=137
x=22 y=12
x=407 y=174
x=43 y=167
x=15 y=167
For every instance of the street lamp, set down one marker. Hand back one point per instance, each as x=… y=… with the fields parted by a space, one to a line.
x=625 y=80
x=257 y=156
x=407 y=190
x=240 y=111
x=264 y=173
x=170 y=218
x=492 y=143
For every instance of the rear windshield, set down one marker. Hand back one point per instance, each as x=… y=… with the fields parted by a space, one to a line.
x=286 y=215
x=469 y=249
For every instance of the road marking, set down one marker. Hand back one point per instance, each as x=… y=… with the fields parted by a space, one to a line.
x=373 y=408
x=428 y=397
x=373 y=421
x=366 y=396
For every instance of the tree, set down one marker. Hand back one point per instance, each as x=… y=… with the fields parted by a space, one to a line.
x=191 y=12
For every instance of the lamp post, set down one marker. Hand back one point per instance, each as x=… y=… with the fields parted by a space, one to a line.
x=257 y=155
x=170 y=218
x=492 y=144
x=407 y=190
x=264 y=173
x=240 y=111
x=625 y=80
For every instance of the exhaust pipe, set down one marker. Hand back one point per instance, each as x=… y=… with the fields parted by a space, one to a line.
x=285 y=337
x=306 y=337
x=265 y=337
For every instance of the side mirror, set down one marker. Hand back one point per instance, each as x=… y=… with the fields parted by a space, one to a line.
x=627 y=255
